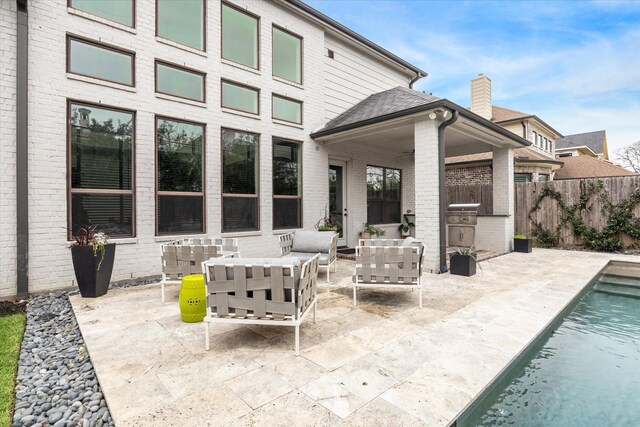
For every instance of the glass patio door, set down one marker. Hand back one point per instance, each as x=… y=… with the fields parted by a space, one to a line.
x=337 y=202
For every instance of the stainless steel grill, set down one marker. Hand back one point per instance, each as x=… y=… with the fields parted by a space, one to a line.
x=461 y=224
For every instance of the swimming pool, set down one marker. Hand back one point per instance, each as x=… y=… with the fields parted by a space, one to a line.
x=585 y=372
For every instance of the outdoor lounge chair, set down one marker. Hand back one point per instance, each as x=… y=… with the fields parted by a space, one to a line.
x=394 y=266
x=183 y=257
x=306 y=244
x=275 y=291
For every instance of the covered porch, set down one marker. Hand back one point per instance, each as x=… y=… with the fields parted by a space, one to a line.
x=412 y=132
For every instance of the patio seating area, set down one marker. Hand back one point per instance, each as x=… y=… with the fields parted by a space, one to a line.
x=384 y=362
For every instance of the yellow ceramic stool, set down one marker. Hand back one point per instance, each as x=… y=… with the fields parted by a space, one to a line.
x=193 y=299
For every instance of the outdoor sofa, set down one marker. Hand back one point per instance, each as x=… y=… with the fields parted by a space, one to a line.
x=260 y=291
x=304 y=245
x=185 y=256
x=388 y=263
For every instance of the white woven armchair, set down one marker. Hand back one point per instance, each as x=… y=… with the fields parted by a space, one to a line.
x=305 y=244
x=275 y=291
x=182 y=257
x=392 y=266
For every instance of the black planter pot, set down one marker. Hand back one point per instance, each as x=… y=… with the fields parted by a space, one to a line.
x=462 y=265
x=522 y=245
x=91 y=281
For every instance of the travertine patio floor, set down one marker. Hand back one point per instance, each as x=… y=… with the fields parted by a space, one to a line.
x=385 y=362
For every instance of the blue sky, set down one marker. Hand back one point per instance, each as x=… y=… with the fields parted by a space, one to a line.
x=574 y=64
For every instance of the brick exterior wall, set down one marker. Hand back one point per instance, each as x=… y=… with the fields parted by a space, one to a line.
x=50 y=87
x=472 y=175
x=8 y=24
x=476 y=175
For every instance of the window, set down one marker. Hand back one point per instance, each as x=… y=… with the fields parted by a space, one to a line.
x=101 y=168
x=182 y=21
x=543 y=177
x=180 y=82
x=383 y=195
x=521 y=177
x=287 y=184
x=239 y=181
x=102 y=62
x=535 y=138
x=286 y=109
x=180 y=177
x=240 y=97
x=121 y=11
x=240 y=36
x=287 y=55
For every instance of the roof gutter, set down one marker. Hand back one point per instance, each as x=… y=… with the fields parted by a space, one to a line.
x=415 y=79
x=531 y=116
x=22 y=153
x=353 y=35
x=442 y=188
x=419 y=109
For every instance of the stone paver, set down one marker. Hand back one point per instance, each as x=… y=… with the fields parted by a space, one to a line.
x=384 y=362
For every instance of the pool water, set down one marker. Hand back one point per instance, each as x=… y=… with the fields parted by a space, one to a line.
x=587 y=373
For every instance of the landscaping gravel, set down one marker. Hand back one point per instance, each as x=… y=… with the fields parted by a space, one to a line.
x=56 y=384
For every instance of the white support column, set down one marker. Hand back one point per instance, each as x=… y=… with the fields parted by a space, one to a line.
x=427 y=190
x=503 y=197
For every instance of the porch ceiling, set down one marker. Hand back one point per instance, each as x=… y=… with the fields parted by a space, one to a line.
x=463 y=137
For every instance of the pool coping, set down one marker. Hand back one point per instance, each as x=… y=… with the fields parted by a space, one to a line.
x=536 y=342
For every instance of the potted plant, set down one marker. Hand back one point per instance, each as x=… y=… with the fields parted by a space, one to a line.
x=405 y=227
x=522 y=244
x=371 y=230
x=93 y=257
x=328 y=222
x=463 y=262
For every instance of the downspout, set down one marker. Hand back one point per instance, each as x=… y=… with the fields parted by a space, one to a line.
x=442 y=190
x=415 y=79
x=22 y=170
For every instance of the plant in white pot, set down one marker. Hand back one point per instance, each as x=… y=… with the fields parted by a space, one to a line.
x=405 y=227
x=92 y=255
x=371 y=230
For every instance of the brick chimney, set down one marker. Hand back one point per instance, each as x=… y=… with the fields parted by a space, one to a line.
x=481 y=96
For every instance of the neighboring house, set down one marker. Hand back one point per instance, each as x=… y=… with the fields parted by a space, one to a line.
x=157 y=119
x=532 y=164
x=582 y=166
x=592 y=144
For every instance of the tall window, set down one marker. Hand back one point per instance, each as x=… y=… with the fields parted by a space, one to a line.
x=182 y=21
x=240 y=36
x=180 y=199
x=240 y=97
x=286 y=109
x=287 y=55
x=121 y=11
x=383 y=195
x=287 y=184
x=239 y=181
x=102 y=62
x=180 y=82
x=101 y=168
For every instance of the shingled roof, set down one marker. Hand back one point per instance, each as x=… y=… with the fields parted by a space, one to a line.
x=501 y=114
x=380 y=104
x=593 y=140
x=522 y=155
x=589 y=167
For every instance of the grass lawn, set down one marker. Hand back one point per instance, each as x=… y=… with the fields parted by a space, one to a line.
x=11 y=331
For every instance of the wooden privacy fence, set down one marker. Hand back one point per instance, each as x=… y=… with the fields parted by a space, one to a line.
x=549 y=215
x=478 y=193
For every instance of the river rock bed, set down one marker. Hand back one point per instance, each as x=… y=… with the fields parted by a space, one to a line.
x=56 y=384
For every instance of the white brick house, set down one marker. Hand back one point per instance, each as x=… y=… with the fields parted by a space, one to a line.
x=338 y=70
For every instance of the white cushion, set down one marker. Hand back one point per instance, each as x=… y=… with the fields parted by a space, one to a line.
x=312 y=241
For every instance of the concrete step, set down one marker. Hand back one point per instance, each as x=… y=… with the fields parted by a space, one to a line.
x=623 y=269
x=615 y=279
x=625 y=291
